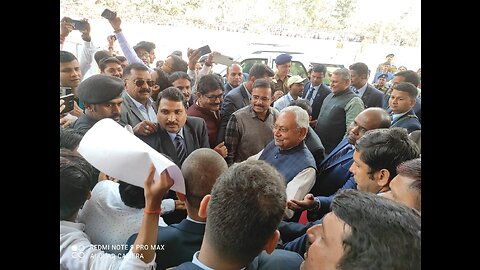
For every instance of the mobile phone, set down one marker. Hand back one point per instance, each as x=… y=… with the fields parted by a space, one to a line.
x=65 y=90
x=204 y=50
x=78 y=25
x=108 y=14
x=69 y=99
x=223 y=59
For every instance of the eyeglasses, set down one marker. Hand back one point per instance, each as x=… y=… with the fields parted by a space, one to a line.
x=213 y=98
x=140 y=82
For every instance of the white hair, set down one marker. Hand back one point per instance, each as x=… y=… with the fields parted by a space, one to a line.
x=301 y=116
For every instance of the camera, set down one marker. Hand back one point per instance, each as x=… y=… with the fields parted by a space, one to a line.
x=108 y=14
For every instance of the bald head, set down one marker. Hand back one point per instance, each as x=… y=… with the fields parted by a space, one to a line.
x=201 y=169
x=234 y=75
x=377 y=117
x=368 y=119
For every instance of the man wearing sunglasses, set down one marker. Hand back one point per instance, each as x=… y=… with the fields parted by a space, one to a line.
x=138 y=110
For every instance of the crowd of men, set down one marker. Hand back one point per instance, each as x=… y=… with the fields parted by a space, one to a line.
x=259 y=156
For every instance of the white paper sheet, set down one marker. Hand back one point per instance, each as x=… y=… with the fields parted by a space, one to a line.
x=113 y=150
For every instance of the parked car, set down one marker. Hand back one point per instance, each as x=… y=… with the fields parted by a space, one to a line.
x=301 y=63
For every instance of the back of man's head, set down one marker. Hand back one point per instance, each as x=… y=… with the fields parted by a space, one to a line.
x=378 y=117
x=413 y=170
x=75 y=174
x=70 y=138
x=178 y=64
x=247 y=204
x=132 y=196
x=302 y=103
x=259 y=70
x=200 y=170
x=386 y=149
x=409 y=76
x=383 y=234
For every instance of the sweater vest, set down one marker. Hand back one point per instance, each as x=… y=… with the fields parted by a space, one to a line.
x=331 y=125
x=254 y=133
x=288 y=162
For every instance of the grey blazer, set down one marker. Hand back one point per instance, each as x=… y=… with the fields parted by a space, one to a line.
x=130 y=114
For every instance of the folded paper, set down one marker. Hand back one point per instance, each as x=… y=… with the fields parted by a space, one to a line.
x=118 y=153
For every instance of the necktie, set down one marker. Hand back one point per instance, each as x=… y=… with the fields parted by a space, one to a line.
x=181 y=148
x=336 y=156
x=310 y=94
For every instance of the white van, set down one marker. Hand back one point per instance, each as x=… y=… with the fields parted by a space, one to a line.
x=300 y=63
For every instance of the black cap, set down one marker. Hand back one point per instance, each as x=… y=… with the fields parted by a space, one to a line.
x=100 y=89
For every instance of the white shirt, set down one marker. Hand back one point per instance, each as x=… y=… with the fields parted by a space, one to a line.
x=284 y=101
x=198 y=263
x=315 y=91
x=395 y=116
x=77 y=252
x=147 y=112
x=108 y=220
x=361 y=90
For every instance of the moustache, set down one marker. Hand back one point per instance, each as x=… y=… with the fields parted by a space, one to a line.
x=143 y=90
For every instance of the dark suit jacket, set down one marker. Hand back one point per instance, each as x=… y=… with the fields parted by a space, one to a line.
x=228 y=88
x=322 y=93
x=315 y=146
x=130 y=114
x=293 y=230
x=372 y=97
x=408 y=121
x=180 y=241
x=83 y=123
x=336 y=174
x=195 y=132
x=236 y=99
x=278 y=260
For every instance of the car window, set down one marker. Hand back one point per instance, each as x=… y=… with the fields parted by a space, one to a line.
x=297 y=68
x=248 y=63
